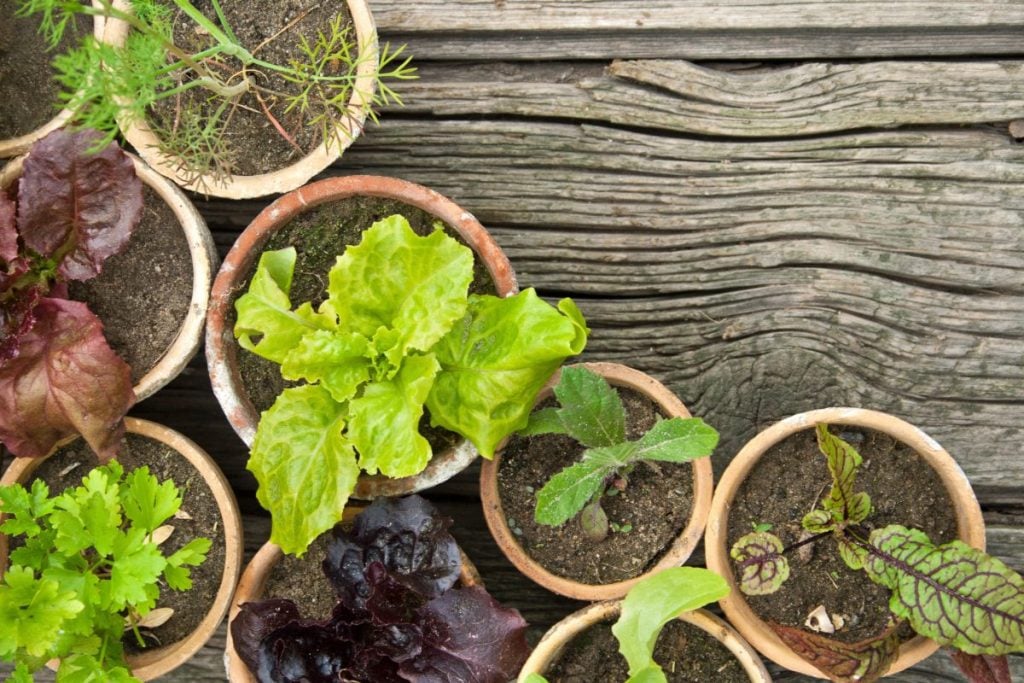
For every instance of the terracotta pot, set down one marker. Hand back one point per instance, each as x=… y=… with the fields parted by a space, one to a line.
x=12 y=147
x=154 y=663
x=222 y=349
x=204 y=257
x=970 y=526
x=549 y=649
x=681 y=547
x=254 y=580
x=284 y=179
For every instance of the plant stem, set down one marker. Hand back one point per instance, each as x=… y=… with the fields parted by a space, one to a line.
x=224 y=22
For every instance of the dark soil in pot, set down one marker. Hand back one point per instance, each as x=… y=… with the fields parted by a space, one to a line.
x=786 y=484
x=143 y=294
x=302 y=580
x=26 y=77
x=255 y=145
x=71 y=463
x=686 y=654
x=319 y=237
x=655 y=506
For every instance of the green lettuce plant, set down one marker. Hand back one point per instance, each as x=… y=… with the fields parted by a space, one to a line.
x=103 y=83
x=90 y=568
x=591 y=412
x=952 y=593
x=397 y=333
x=651 y=604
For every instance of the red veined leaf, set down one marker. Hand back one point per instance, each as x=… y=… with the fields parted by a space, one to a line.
x=982 y=668
x=862 y=662
x=8 y=233
x=66 y=380
x=77 y=206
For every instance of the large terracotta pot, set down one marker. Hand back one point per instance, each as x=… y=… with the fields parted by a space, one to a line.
x=203 y=255
x=222 y=349
x=678 y=551
x=154 y=663
x=558 y=636
x=970 y=526
x=289 y=177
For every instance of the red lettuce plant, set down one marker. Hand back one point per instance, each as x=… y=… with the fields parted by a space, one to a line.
x=399 y=617
x=75 y=207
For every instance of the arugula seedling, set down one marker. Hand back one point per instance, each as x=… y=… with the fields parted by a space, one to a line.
x=651 y=604
x=952 y=593
x=58 y=375
x=89 y=569
x=398 y=333
x=103 y=82
x=400 y=616
x=591 y=412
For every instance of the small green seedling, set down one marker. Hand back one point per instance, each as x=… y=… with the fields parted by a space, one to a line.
x=954 y=594
x=89 y=570
x=762 y=526
x=103 y=83
x=651 y=604
x=591 y=412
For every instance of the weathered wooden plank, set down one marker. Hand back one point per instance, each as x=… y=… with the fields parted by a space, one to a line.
x=763 y=102
x=692 y=29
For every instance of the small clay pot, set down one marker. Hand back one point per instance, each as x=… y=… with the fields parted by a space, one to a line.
x=254 y=580
x=204 y=258
x=154 y=663
x=678 y=552
x=222 y=349
x=12 y=147
x=550 y=647
x=284 y=179
x=969 y=522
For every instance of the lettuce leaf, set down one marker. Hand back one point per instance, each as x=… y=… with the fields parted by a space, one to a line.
x=338 y=361
x=305 y=467
x=495 y=362
x=8 y=233
x=77 y=204
x=65 y=380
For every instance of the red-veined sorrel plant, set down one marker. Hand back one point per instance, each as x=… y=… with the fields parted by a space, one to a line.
x=952 y=593
x=58 y=376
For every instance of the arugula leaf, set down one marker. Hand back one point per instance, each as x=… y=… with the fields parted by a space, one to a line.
x=305 y=467
x=395 y=279
x=265 y=311
x=652 y=603
x=590 y=410
x=384 y=421
x=565 y=494
x=544 y=421
x=147 y=502
x=677 y=440
x=495 y=361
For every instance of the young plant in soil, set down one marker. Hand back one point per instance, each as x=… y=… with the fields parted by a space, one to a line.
x=58 y=375
x=89 y=571
x=397 y=333
x=954 y=594
x=399 y=616
x=591 y=412
x=651 y=604
x=103 y=82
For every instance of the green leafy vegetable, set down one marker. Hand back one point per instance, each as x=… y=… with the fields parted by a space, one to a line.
x=762 y=566
x=591 y=412
x=87 y=566
x=397 y=334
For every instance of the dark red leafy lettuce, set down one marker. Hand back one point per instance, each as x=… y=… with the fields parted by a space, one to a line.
x=78 y=206
x=65 y=380
x=8 y=233
x=17 y=318
x=391 y=625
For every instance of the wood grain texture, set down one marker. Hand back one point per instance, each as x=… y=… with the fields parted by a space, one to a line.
x=753 y=102
x=696 y=29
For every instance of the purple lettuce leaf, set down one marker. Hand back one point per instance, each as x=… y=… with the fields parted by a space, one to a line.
x=468 y=636
x=17 y=318
x=257 y=620
x=982 y=668
x=8 y=233
x=302 y=653
x=408 y=536
x=75 y=206
x=65 y=380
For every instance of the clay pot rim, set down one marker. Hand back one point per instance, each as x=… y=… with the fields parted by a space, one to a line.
x=254 y=579
x=970 y=525
x=283 y=179
x=222 y=349
x=203 y=257
x=679 y=550
x=150 y=665
x=558 y=636
x=12 y=147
